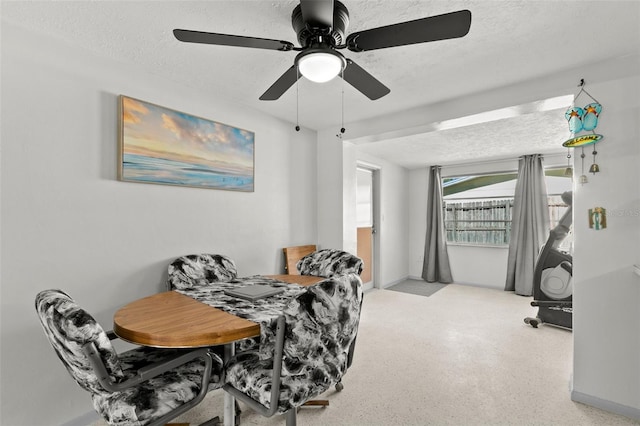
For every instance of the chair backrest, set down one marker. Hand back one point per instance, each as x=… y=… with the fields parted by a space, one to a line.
x=197 y=270
x=321 y=323
x=329 y=262
x=293 y=254
x=69 y=328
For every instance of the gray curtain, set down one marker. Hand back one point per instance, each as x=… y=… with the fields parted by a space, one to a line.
x=436 y=259
x=529 y=226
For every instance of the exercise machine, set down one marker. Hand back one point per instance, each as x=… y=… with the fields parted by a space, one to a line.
x=552 y=288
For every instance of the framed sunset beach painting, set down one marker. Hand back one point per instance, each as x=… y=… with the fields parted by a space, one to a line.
x=163 y=146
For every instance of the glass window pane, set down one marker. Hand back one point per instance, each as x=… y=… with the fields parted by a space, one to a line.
x=478 y=209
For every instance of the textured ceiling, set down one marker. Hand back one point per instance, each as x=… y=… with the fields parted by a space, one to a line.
x=505 y=138
x=509 y=42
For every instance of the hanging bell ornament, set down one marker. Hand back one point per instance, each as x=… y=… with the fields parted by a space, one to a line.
x=594 y=167
x=583 y=177
x=569 y=170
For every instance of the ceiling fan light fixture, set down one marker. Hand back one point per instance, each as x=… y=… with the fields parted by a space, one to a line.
x=321 y=29
x=320 y=66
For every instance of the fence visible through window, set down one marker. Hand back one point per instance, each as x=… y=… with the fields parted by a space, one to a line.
x=488 y=222
x=478 y=209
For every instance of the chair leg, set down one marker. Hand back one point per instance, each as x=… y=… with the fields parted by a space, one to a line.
x=316 y=403
x=238 y=411
x=323 y=402
x=211 y=422
x=291 y=417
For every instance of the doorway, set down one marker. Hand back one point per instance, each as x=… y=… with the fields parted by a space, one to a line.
x=366 y=214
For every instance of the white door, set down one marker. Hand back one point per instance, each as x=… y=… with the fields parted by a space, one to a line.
x=365 y=222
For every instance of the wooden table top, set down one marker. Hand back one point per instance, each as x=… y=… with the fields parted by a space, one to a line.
x=173 y=320
x=304 y=280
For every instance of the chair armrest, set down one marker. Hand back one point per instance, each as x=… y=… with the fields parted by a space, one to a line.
x=149 y=371
x=275 y=377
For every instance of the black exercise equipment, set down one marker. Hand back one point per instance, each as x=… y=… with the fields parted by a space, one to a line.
x=552 y=288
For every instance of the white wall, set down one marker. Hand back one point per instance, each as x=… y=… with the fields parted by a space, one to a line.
x=330 y=193
x=476 y=265
x=349 y=199
x=606 y=291
x=337 y=205
x=67 y=222
x=418 y=184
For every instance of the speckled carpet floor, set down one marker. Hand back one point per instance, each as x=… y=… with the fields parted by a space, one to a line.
x=462 y=356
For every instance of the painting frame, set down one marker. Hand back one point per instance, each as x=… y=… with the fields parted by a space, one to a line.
x=163 y=146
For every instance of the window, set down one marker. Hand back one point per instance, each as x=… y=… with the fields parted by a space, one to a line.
x=478 y=209
x=486 y=222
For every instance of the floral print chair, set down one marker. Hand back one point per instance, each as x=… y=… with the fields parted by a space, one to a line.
x=328 y=263
x=193 y=271
x=197 y=270
x=143 y=386
x=311 y=351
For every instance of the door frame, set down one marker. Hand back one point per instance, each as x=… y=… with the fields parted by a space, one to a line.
x=375 y=214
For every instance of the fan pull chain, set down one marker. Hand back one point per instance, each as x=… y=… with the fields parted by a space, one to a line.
x=342 y=129
x=297 y=100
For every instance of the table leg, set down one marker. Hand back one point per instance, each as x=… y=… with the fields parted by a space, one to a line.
x=229 y=400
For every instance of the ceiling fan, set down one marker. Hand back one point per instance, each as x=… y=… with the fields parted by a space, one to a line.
x=321 y=26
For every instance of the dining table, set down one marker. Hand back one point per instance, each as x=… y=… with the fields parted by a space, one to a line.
x=206 y=316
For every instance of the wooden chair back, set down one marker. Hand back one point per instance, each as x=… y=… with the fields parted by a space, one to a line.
x=293 y=254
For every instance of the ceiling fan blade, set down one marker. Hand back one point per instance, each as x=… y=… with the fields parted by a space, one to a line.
x=189 y=36
x=317 y=13
x=364 y=82
x=440 y=27
x=281 y=85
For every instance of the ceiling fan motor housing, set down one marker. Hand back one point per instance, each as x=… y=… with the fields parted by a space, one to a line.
x=310 y=33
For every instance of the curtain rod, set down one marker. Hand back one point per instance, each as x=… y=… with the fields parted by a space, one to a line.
x=496 y=160
x=483 y=162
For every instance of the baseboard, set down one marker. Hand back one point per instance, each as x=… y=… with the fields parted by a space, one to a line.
x=84 y=420
x=603 y=404
x=478 y=285
x=395 y=282
x=411 y=277
x=367 y=286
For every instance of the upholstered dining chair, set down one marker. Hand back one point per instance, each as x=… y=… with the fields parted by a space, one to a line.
x=329 y=262
x=192 y=271
x=293 y=254
x=196 y=270
x=142 y=386
x=310 y=353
